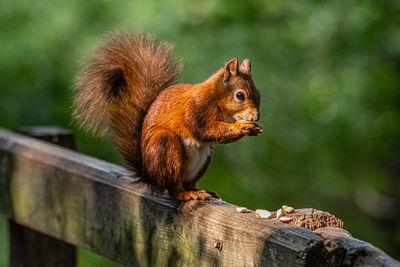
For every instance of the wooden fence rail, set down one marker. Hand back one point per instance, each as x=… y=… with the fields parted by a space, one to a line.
x=93 y=204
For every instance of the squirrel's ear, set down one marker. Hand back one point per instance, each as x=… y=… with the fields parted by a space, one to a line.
x=230 y=69
x=245 y=67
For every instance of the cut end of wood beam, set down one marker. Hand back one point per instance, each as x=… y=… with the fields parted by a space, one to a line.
x=313 y=219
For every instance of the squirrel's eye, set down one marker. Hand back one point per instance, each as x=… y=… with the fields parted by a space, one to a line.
x=240 y=96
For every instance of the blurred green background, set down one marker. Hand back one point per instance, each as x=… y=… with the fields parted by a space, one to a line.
x=328 y=72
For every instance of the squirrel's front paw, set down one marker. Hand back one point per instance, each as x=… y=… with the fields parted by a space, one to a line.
x=249 y=128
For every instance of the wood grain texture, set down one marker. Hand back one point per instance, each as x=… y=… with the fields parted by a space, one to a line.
x=32 y=248
x=98 y=206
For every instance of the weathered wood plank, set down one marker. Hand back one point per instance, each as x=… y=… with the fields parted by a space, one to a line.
x=29 y=247
x=96 y=205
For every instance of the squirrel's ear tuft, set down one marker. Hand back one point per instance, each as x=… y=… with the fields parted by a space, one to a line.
x=245 y=67
x=230 y=69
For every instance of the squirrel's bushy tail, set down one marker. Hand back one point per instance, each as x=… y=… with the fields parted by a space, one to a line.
x=117 y=87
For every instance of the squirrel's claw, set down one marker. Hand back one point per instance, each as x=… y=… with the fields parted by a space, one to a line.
x=214 y=195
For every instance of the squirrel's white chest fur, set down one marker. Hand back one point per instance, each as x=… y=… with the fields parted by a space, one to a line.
x=197 y=154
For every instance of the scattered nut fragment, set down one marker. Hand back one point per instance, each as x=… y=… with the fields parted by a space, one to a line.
x=241 y=209
x=279 y=213
x=262 y=213
x=285 y=219
x=288 y=209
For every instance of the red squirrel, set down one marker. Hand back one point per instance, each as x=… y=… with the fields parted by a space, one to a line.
x=164 y=130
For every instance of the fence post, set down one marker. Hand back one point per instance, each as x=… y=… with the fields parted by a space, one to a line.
x=29 y=247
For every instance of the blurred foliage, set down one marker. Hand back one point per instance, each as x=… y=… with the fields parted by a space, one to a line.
x=3 y=242
x=328 y=72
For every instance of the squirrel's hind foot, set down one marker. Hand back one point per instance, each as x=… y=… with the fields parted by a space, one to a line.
x=195 y=195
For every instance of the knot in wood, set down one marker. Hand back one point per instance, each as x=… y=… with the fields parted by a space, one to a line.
x=218 y=245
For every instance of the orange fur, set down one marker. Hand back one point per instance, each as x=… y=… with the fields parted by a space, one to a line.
x=165 y=131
